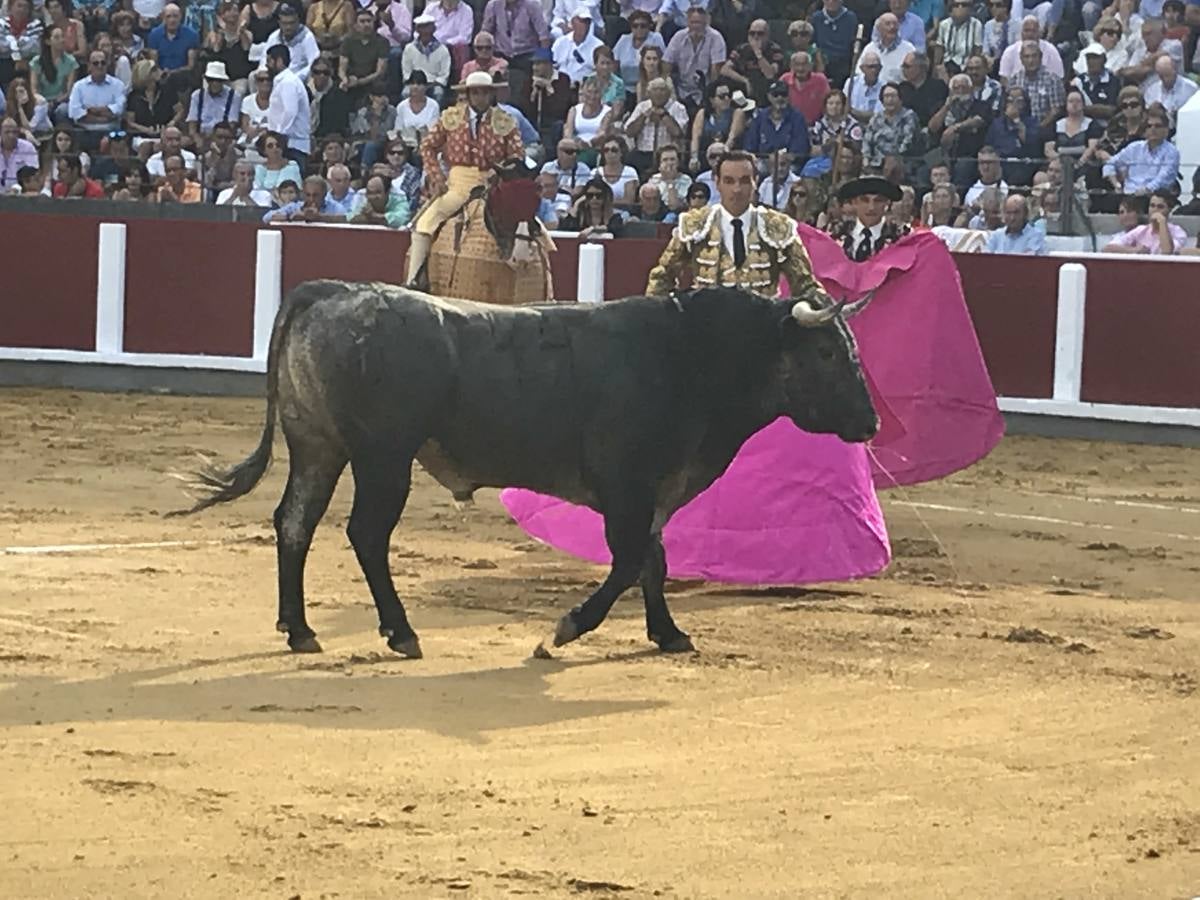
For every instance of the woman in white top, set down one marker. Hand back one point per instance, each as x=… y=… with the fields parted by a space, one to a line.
x=588 y=121
x=254 y=114
x=416 y=114
x=671 y=183
x=621 y=178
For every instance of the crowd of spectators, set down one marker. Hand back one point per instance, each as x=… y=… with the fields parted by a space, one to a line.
x=315 y=111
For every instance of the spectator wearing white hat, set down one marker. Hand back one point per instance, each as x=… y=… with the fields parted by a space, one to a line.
x=574 y=52
x=425 y=53
x=1097 y=84
x=563 y=11
x=212 y=104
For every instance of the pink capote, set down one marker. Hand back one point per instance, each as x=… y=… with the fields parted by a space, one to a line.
x=798 y=508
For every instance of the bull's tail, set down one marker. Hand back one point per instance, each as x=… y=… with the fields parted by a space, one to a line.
x=213 y=485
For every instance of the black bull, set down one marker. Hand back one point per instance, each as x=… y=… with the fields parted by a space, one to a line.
x=631 y=408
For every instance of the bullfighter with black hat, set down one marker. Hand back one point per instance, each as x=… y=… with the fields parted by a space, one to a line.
x=869 y=231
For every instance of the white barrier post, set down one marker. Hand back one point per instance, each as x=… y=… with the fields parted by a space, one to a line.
x=1068 y=342
x=590 y=285
x=268 y=287
x=110 y=289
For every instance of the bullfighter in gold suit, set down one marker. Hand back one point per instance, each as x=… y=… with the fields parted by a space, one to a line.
x=473 y=137
x=734 y=243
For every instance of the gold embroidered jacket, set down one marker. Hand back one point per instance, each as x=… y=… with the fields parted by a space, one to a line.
x=773 y=248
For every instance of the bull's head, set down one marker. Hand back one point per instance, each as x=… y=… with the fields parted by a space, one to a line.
x=824 y=390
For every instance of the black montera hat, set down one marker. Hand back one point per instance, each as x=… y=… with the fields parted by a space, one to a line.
x=869 y=184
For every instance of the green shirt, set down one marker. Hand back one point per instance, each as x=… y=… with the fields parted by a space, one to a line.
x=397 y=213
x=364 y=55
x=53 y=90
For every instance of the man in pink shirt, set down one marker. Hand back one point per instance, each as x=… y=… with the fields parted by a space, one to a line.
x=15 y=153
x=1158 y=237
x=454 y=23
x=807 y=89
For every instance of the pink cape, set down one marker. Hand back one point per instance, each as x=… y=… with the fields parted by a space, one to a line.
x=798 y=508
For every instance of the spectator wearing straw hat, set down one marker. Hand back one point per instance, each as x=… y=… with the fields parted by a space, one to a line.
x=212 y=104
x=470 y=139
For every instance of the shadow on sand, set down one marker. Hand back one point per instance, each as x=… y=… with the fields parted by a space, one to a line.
x=368 y=692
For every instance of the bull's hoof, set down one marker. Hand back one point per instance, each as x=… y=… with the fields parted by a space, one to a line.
x=408 y=647
x=566 y=631
x=304 y=644
x=540 y=652
x=680 y=643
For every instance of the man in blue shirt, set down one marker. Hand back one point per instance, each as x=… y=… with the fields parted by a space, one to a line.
x=778 y=127
x=176 y=47
x=834 y=28
x=98 y=101
x=313 y=206
x=1017 y=235
x=1148 y=165
x=912 y=29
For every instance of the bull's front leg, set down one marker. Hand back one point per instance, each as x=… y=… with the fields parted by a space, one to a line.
x=628 y=535
x=660 y=627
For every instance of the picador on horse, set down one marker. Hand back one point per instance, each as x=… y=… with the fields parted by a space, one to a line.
x=473 y=239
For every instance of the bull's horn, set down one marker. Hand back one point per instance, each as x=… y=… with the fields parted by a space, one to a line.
x=858 y=305
x=804 y=313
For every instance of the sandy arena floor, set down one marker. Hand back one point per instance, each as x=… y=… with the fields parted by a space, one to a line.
x=890 y=738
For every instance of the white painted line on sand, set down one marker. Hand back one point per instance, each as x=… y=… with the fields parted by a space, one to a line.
x=1044 y=520
x=1134 y=504
x=49 y=549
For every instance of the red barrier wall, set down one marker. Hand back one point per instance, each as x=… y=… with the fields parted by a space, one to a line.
x=189 y=287
x=1014 y=306
x=1140 y=334
x=48 y=281
x=351 y=254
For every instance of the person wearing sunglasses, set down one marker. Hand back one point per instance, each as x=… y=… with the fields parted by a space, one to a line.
x=575 y=52
x=1147 y=165
x=1000 y=32
x=98 y=101
x=719 y=121
x=628 y=49
x=622 y=179
x=1127 y=126
x=958 y=36
x=1097 y=85
x=592 y=212
x=698 y=196
x=754 y=65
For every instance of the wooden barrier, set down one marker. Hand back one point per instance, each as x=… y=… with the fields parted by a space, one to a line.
x=202 y=295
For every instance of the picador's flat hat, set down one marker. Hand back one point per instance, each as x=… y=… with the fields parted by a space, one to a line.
x=870 y=184
x=476 y=79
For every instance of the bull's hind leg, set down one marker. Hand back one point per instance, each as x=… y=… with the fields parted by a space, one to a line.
x=381 y=485
x=660 y=627
x=312 y=475
x=628 y=534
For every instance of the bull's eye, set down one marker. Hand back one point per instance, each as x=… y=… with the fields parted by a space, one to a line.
x=826 y=354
